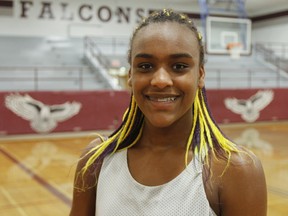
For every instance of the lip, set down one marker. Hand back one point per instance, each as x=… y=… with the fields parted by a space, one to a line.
x=162 y=101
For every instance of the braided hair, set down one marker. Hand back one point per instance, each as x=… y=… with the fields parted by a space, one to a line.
x=168 y=15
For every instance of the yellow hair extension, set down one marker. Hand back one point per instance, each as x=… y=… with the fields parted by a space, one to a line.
x=137 y=138
x=200 y=36
x=125 y=114
x=189 y=142
x=135 y=107
x=127 y=127
x=167 y=12
x=207 y=127
x=120 y=136
x=203 y=145
x=225 y=144
x=204 y=127
x=98 y=150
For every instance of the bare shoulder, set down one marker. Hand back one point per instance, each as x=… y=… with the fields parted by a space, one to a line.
x=86 y=154
x=245 y=164
x=92 y=171
x=84 y=191
x=241 y=184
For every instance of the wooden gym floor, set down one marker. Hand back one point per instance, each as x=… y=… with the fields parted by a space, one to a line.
x=36 y=173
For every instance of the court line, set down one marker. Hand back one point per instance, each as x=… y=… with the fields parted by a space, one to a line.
x=277 y=191
x=12 y=201
x=38 y=178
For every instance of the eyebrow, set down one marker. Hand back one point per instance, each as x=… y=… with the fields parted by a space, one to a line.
x=176 y=55
x=181 y=55
x=143 y=55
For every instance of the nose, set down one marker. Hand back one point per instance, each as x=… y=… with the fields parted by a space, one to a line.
x=161 y=78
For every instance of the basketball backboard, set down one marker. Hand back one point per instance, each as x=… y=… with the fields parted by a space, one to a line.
x=226 y=35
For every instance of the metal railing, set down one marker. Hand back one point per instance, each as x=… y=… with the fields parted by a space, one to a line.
x=279 y=49
x=48 y=78
x=92 y=48
x=274 y=53
x=79 y=78
x=99 y=60
x=233 y=78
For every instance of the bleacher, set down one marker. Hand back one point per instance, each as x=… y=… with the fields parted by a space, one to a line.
x=28 y=64
x=223 y=72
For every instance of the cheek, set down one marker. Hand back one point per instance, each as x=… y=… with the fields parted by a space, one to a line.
x=138 y=81
x=190 y=89
x=189 y=82
x=192 y=95
x=135 y=86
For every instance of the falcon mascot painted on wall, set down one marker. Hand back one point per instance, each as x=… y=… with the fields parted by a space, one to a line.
x=43 y=118
x=250 y=109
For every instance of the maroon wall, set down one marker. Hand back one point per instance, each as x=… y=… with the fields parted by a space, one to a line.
x=100 y=110
x=276 y=110
x=104 y=109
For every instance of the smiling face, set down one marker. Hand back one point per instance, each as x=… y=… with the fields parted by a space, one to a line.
x=165 y=72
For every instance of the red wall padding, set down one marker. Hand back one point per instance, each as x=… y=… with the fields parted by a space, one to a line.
x=276 y=110
x=100 y=110
x=103 y=110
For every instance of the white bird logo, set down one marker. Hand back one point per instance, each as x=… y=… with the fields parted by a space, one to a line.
x=250 y=109
x=43 y=118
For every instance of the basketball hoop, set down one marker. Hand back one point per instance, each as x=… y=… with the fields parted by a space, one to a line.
x=234 y=50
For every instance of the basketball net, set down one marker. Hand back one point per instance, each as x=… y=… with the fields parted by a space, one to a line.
x=234 y=50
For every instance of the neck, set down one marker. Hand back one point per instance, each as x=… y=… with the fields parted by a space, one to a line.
x=174 y=136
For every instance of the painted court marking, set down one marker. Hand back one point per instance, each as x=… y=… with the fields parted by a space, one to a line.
x=38 y=178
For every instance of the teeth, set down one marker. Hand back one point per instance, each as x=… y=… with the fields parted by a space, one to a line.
x=164 y=99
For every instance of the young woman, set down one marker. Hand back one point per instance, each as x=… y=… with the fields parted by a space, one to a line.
x=168 y=158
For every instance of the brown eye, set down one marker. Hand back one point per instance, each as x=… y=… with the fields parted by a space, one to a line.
x=144 y=67
x=179 y=67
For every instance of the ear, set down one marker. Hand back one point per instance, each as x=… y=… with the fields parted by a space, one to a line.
x=201 y=81
x=129 y=81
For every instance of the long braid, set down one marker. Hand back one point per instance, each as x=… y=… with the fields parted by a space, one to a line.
x=128 y=133
x=205 y=135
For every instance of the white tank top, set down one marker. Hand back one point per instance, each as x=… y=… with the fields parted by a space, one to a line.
x=119 y=194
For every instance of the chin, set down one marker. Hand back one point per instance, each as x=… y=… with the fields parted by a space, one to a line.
x=159 y=123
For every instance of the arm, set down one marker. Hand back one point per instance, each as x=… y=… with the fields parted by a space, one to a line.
x=243 y=187
x=84 y=201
